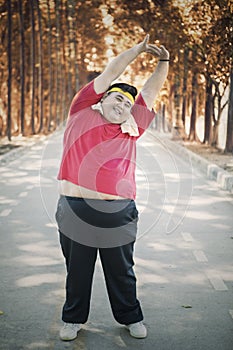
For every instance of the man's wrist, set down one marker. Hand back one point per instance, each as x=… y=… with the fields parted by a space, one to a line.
x=138 y=49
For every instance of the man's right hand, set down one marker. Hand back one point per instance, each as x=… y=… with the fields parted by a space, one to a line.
x=143 y=46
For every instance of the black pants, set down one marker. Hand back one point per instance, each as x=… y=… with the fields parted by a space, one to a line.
x=110 y=227
x=120 y=280
x=97 y=223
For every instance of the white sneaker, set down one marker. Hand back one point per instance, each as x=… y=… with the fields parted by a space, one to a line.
x=69 y=331
x=137 y=330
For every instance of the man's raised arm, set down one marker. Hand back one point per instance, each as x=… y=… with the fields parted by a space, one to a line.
x=117 y=66
x=153 y=85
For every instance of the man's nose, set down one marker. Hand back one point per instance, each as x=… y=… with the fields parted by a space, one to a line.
x=120 y=104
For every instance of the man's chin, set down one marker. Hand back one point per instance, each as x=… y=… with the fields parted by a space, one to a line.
x=115 y=121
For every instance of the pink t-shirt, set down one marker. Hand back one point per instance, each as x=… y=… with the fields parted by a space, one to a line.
x=96 y=154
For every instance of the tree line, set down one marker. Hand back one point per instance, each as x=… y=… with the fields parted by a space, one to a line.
x=50 y=48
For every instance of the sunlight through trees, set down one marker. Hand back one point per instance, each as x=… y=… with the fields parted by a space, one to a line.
x=50 y=48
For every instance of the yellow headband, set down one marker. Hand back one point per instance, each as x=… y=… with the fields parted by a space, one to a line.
x=127 y=94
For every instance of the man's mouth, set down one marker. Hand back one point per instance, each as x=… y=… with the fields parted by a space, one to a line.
x=117 y=110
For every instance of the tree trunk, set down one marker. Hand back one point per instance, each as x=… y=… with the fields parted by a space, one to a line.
x=229 y=140
x=215 y=131
x=9 y=57
x=216 y=118
x=74 y=46
x=192 y=131
x=177 y=99
x=69 y=58
x=178 y=127
x=58 y=65
x=208 y=111
x=164 y=117
x=50 y=67
x=22 y=66
x=64 y=82
x=184 y=88
x=33 y=70
x=40 y=73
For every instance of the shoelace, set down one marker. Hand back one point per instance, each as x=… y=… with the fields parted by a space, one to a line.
x=70 y=325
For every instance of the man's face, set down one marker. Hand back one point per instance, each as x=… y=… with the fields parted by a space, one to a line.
x=116 y=107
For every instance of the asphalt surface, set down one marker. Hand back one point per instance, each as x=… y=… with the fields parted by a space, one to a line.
x=183 y=257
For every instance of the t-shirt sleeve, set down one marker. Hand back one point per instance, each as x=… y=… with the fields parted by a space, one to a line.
x=142 y=115
x=84 y=98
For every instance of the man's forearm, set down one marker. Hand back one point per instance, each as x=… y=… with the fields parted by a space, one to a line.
x=117 y=66
x=154 y=84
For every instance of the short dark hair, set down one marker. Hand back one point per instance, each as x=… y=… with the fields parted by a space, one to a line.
x=125 y=87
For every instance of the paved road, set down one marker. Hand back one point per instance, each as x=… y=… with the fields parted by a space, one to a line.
x=183 y=257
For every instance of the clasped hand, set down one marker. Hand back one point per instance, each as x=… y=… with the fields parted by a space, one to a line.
x=156 y=51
